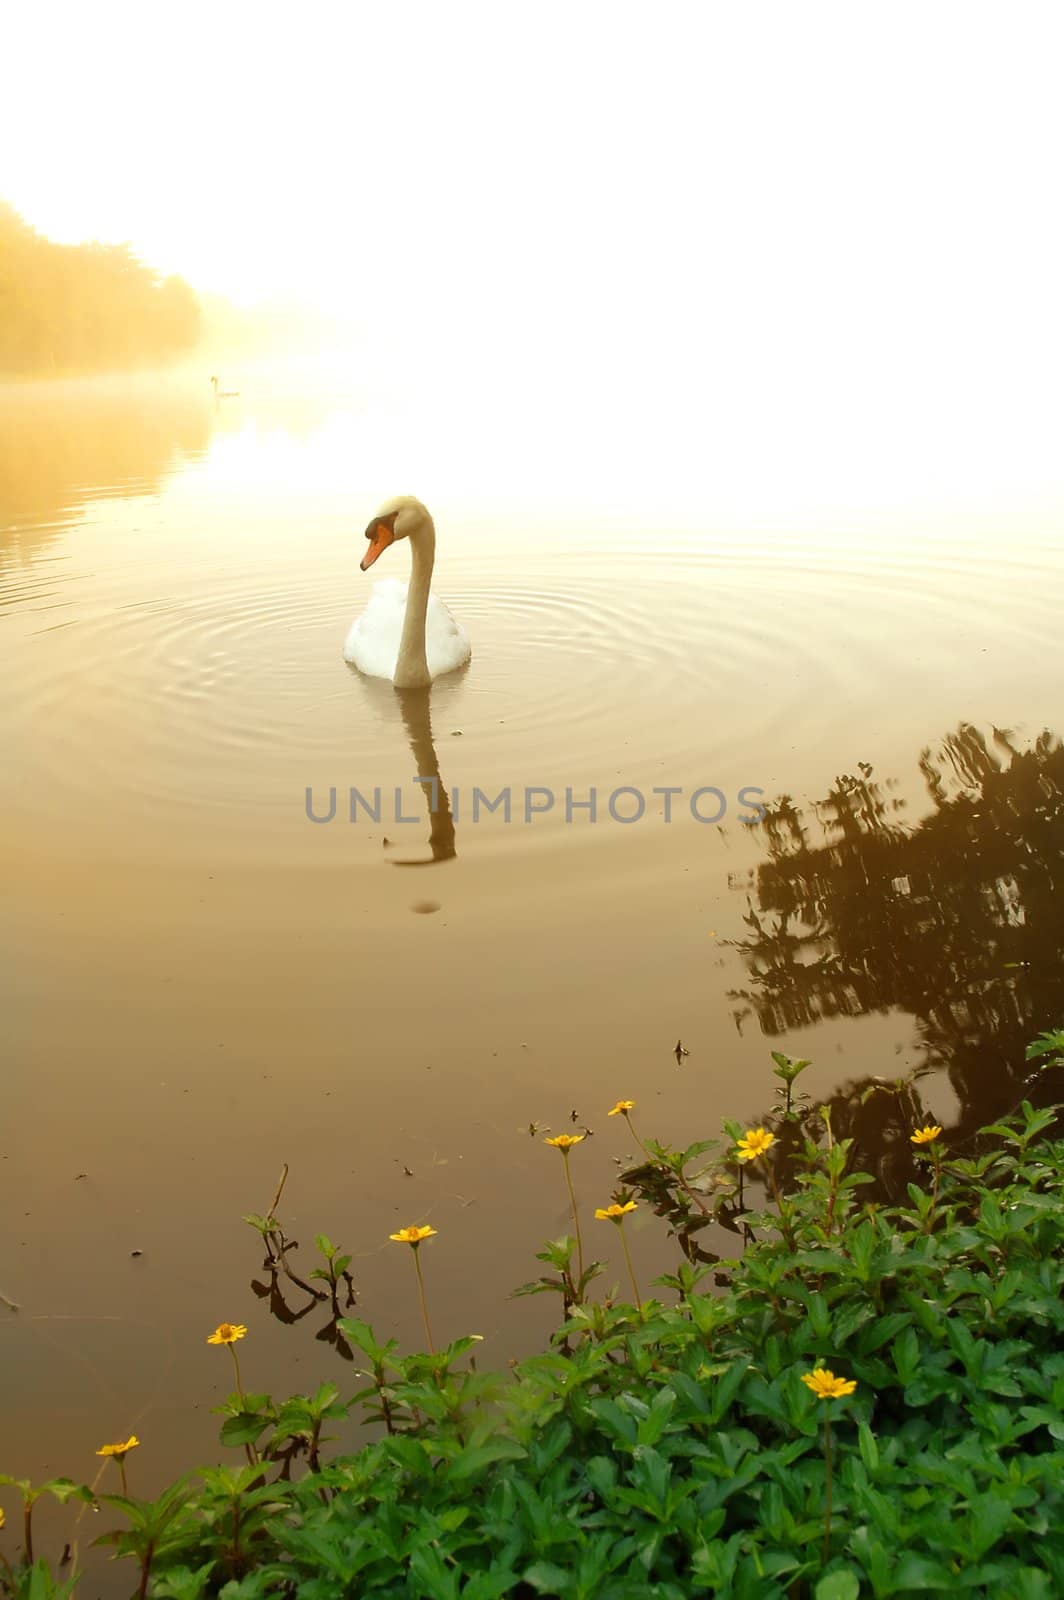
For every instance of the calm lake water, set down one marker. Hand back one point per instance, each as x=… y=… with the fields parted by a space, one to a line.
x=200 y=984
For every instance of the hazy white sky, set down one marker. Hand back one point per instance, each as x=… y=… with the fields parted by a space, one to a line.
x=822 y=239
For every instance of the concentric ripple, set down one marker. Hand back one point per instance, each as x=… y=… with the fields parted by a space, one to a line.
x=175 y=655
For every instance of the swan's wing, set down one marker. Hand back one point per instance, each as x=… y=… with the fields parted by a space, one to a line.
x=373 y=642
x=446 y=641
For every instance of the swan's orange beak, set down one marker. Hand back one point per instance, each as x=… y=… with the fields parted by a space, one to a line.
x=380 y=533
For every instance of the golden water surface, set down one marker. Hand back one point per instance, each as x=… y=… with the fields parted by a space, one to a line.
x=201 y=984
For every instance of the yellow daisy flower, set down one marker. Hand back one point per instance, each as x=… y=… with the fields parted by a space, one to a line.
x=3 y=1519
x=614 y=1213
x=826 y=1386
x=926 y=1135
x=412 y=1236
x=227 y=1333
x=754 y=1143
x=565 y=1141
x=622 y=1108
x=119 y=1450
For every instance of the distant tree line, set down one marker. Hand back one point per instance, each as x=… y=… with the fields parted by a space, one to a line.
x=86 y=307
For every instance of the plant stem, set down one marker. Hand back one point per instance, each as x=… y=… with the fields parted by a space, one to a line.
x=386 y=1408
x=655 y=1161
x=638 y=1140
x=27 y=1530
x=631 y=1272
x=249 y=1449
x=424 y=1307
x=122 y=1470
x=827 y=1472
x=145 y=1570
x=236 y=1368
x=785 y=1223
x=576 y=1224
x=275 y=1202
x=934 y=1188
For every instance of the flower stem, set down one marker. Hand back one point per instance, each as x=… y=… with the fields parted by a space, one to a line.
x=27 y=1530
x=827 y=1479
x=936 y=1158
x=122 y=1470
x=638 y=1140
x=424 y=1307
x=631 y=1272
x=249 y=1449
x=236 y=1368
x=576 y=1224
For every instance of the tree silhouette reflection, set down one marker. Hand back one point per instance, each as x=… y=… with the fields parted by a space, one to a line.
x=958 y=920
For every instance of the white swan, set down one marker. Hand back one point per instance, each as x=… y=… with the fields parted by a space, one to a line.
x=405 y=633
x=224 y=394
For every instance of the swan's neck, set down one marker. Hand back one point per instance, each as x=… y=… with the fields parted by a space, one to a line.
x=412 y=668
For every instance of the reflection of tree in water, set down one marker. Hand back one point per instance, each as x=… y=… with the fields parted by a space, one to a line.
x=60 y=442
x=958 y=920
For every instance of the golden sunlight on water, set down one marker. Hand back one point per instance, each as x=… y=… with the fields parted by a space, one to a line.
x=202 y=983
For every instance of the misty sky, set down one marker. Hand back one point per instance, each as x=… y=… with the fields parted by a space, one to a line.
x=824 y=241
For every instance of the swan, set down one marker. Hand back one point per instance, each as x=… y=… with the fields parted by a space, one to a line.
x=405 y=633
x=224 y=394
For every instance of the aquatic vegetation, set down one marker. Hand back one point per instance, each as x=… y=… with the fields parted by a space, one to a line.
x=415 y=1237
x=228 y=1333
x=118 y=1454
x=756 y=1142
x=566 y=1142
x=616 y=1214
x=61 y=1489
x=824 y=1384
x=925 y=1135
x=868 y=1399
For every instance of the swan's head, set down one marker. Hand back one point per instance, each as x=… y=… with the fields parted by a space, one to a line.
x=400 y=518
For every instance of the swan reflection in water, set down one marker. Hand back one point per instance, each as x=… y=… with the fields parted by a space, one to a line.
x=414 y=704
x=415 y=708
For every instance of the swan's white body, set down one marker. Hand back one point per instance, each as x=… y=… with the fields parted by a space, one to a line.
x=373 y=643
x=406 y=633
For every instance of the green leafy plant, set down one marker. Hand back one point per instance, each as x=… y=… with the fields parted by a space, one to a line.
x=868 y=1400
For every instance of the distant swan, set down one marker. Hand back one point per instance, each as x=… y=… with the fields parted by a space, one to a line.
x=405 y=633
x=224 y=394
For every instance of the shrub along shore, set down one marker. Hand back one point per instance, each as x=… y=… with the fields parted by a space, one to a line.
x=866 y=1399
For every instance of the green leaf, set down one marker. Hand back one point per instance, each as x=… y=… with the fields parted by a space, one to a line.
x=906 y=1352
x=546 y=1578
x=917 y=1572
x=657 y=1418
x=476 y=1457
x=244 y=1429
x=868 y=1447
x=842 y=1584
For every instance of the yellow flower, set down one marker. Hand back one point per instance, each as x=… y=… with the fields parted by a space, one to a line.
x=755 y=1142
x=412 y=1236
x=622 y=1108
x=826 y=1386
x=565 y=1141
x=227 y=1333
x=2 y=1517
x=119 y=1450
x=926 y=1135
x=614 y=1213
